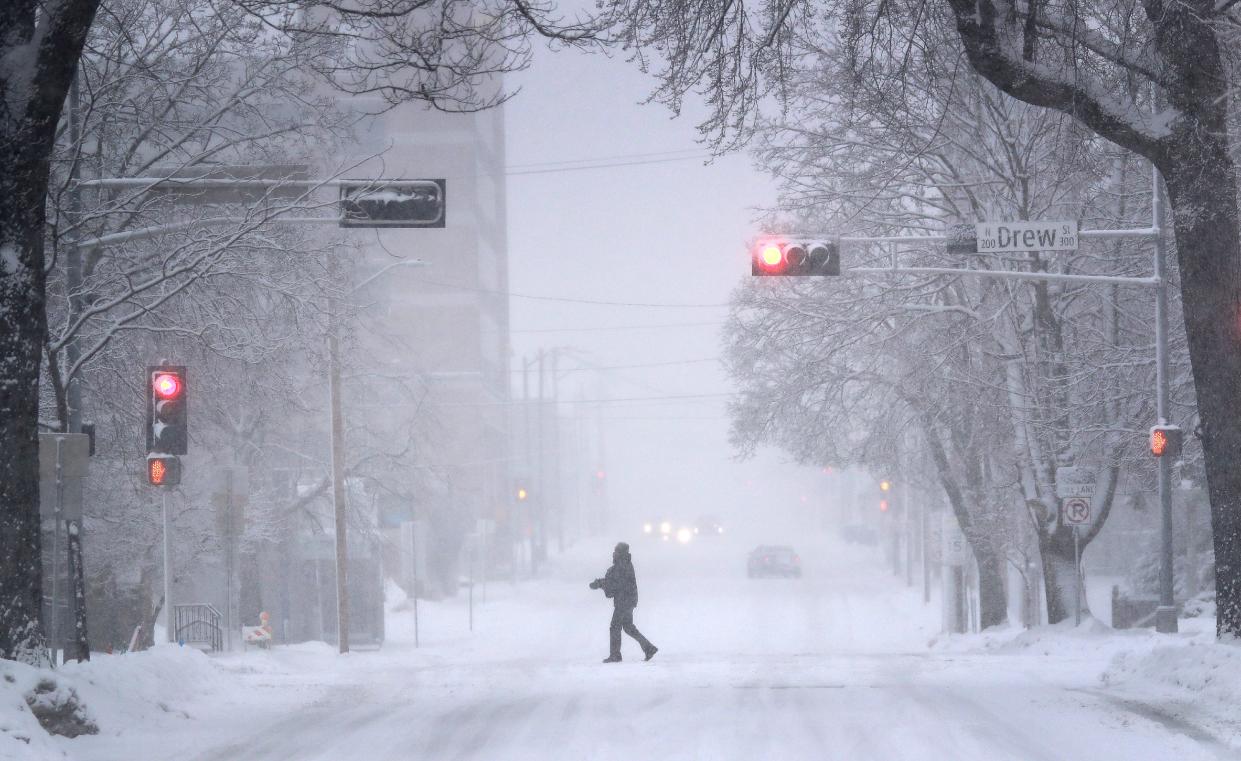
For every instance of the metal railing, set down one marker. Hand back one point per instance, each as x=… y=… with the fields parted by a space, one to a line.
x=198 y=624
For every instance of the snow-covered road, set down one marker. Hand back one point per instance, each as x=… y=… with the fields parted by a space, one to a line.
x=832 y=666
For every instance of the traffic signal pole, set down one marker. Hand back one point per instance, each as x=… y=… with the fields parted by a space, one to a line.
x=1165 y=614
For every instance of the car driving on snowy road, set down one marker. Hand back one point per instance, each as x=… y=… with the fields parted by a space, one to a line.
x=773 y=560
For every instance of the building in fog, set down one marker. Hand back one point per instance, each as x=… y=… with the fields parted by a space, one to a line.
x=431 y=344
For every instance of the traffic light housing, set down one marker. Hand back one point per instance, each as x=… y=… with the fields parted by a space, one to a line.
x=1166 y=441
x=167 y=414
x=395 y=203
x=163 y=470
x=783 y=258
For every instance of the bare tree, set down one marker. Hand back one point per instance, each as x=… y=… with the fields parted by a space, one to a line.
x=1156 y=79
x=441 y=52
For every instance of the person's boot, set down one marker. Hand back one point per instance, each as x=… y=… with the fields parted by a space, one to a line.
x=650 y=652
x=613 y=659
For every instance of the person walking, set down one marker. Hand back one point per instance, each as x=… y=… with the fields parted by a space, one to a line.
x=620 y=584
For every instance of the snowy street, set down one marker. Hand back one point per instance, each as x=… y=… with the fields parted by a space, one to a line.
x=833 y=666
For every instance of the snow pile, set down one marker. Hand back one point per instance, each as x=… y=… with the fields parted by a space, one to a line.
x=107 y=695
x=36 y=704
x=1064 y=638
x=1203 y=677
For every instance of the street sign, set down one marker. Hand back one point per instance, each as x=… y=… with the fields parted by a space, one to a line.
x=1076 y=481
x=1011 y=237
x=1076 y=511
x=392 y=203
x=961 y=239
x=74 y=455
x=955 y=549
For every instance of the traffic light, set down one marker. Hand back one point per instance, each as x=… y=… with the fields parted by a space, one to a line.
x=395 y=203
x=167 y=416
x=163 y=470
x=521 y=494
x=1166 y=441
x=774 y=257
x=884 y=486
x=883 y=505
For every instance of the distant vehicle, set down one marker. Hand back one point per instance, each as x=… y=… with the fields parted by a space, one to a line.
x=708 y=525
x=773 y=560
x=658 y=529
x=855 y=533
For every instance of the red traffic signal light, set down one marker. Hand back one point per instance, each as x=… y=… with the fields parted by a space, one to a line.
x=795 y=258
x=883 y=505
x=163 y=470
x=1166 y=441
x=167 y=385
x=167 y=418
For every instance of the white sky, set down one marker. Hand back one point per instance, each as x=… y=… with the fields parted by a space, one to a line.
x=671 y=233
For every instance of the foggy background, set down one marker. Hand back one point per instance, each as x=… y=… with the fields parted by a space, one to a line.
x=669 y=230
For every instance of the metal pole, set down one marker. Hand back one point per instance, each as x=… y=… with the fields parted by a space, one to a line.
x=169 y=621
x=540 y=502
x=1165 y=614
x=338 y=483
x=56 y=510
x=909 y=534
x=413 y=551
x=924 y=516
x=1077 y=569
x=556 y=449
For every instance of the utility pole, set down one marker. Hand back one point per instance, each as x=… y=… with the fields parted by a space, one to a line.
x=540 y=503
x=527 y=455
x=338 y=479
x=556 y=450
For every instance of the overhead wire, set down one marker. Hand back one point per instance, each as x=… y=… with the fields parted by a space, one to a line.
x=571 y=300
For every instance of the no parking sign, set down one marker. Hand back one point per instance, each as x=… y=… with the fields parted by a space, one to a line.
x=1076 y=511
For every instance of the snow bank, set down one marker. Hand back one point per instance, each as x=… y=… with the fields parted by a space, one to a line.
x=21 y=736
x=1199 y=681
x=116 y=692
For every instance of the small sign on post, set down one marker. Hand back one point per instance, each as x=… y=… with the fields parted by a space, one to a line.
x=1076 y=511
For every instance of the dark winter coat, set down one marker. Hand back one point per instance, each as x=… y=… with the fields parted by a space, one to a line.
x=620 y=584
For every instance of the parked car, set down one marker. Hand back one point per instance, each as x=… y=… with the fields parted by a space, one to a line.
x=773 y=560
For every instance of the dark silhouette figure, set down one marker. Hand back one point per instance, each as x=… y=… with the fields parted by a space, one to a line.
x=620 y=584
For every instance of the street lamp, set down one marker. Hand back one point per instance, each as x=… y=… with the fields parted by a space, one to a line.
x=338 y=457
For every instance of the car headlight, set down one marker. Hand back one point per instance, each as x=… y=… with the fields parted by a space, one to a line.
x=646 y=528
x=665 y=528
x=684 y=535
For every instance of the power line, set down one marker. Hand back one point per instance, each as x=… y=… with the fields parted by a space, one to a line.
x=633 y=367
x=614 y=157
x=598 y=328
x=570 y=300
x=672 y=397
x=604 y=166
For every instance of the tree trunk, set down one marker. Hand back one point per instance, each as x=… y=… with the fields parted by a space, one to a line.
x=1060 y=575
x=992 y=596
x=1203 y=190
x=23 y=185
x=41 y=45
